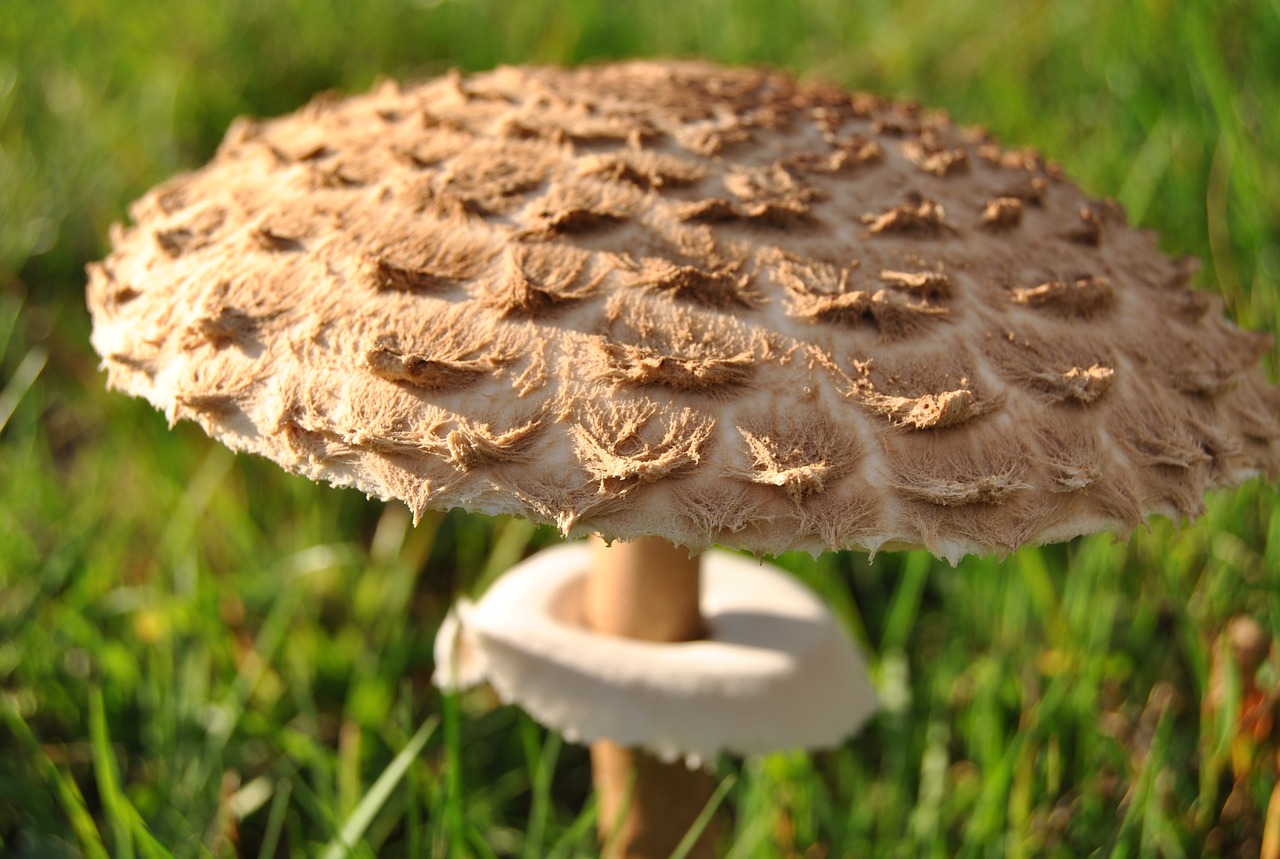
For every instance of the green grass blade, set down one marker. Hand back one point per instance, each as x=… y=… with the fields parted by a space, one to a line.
x=9 y=312
x=104 y=767
x=540 y=804
x=905 y=607
x=353 y=827
x=23 y=378
x=66 y=790
x=127 y=825
x=577 y=832
x=275 y=819
x=478 y=845
x=454 y=811
x=703 y=819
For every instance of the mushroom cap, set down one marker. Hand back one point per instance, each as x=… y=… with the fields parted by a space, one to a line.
x=667 y=298
x=775 y=670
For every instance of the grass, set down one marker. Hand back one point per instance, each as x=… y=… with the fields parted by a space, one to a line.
x=202 y=656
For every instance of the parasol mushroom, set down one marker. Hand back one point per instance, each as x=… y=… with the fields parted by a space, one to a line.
x=676 y=305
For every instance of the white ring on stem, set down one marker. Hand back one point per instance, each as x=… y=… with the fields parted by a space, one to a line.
x=775 y=670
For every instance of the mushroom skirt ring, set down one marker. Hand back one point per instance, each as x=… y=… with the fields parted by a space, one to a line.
x=774 y=671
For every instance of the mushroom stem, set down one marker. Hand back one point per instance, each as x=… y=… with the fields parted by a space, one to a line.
x=646 y=805
x=647 y=589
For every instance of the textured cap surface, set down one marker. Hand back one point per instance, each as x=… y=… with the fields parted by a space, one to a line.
x=667 y=298
x=775 y=670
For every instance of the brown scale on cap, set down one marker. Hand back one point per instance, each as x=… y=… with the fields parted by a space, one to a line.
x=643 y=168
x=1083 y=296
x=670 y=298
x=452 y=347
x=1002 y=213
x=801 y=455
x=723 y=287
x=1076 y=372
x=832 y=516
x=716 y=509
x=537 y=279
x=639 y=440
x=199 y=231
x=650 y=343
x=916 y=215
x=846 y=157
x=824 y=293
x=583 y=205
x=474 y=445
x=1073 y=456
x=418 y=259
x=921 y=391
x=495 y=177
x=932 y=157
x=926 y=284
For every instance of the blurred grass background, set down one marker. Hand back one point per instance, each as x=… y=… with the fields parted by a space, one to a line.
x=203 y=656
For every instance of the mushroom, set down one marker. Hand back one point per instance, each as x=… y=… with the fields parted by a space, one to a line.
x=674 y=306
